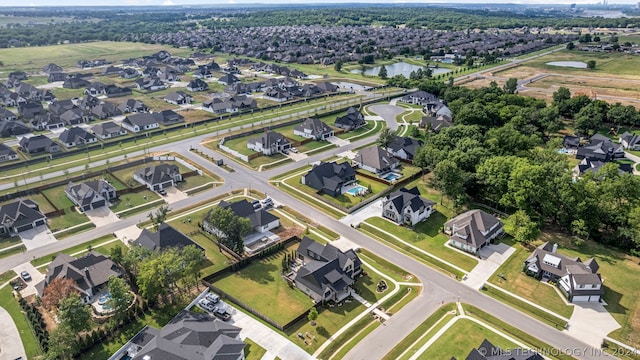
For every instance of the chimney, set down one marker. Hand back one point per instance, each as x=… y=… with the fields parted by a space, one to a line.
x=555 y=248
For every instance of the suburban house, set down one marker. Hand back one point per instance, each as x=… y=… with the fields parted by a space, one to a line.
x=228 y=79
x=326 y=273
x=312 y=128
x=600 y=148
x=420 y=97
x=269 y=143
x=165 y=237
x=351 y=121
x=30 y=109
x=108 y=130
x=6 y=115
x=472 y=230
x=168 y=117
x=376 y=160
x=329 y=178
x=90 y=195
x=404 y=147
x=188 y=336
x=112 y=91
x=630 y=141
x=13 y=128
x=178 y=98
x=90 y=272
x=407 y=207
x=150 y=84
x=157 y=177
x=197 y=85
x=19 y=216
x=261 y=220
x=571 y=142
x=488 y=351
x=37 y=144
x=132 y=105
x=579 y=281
x=7 y=153
x=76 y=136
x=435 y=123
x=589 y=165
x=105 y=110
x=140 y=122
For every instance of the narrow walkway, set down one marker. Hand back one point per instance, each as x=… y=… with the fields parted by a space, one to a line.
x=10 y=342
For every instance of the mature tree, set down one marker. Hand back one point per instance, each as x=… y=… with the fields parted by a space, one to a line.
x=58 y=289
x=230 y=228
x=383 y=72
x=116 y=255
x=132 y=259
x=619 y=114
x=159 y=217
x=561 y=95
x=494 y=174
x=507 y=140
x=120 y=297
x=193 y=258
x=524 y=230
x=511 y=86
x=62 y=343
x=385 y=137
x=428 y=156
x=338 y=65
x=591 y=64
x=572 y=106
x=571 y=46
x=589 y=119
x=74 y=313
x=550 y=119
x=313 y=315
x=449 y=179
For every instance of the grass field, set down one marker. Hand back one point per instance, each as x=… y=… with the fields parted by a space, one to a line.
x=260 y=286
x=9 y=241
x=69 y=219
x=9 y=303
x=253 y=351
x=72 y=250
x=6 y=276
x=131 y=200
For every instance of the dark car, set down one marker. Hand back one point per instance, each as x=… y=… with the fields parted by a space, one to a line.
x=162 y=192
x=221 y=314
x=25 y=276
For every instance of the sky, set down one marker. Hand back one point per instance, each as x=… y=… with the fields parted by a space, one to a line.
x=239 y=2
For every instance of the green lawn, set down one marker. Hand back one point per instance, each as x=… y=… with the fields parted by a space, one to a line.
x=253 y=351
x=358 y=132
x=106 y=249
x=130 y=200
x=392 y=270
x=12 y=251
x=617 y=64
x=58 y=197
x=193 y=182
x=69 y=219
x=72 y=250
x=427 y=236
x=9 y=241
x=260 y=286
x=6 y=276
x=126 y=175
x=461 y=338
x=10 y=304
x=519 y=283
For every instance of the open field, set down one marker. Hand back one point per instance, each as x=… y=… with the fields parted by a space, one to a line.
x=607 y=64
x=33 y=59
x=590 y=85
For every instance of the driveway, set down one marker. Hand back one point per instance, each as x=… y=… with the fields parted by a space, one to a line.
x=492 y=257
x=337 y=141
x=128 y=234
x=10 y=342
x=37 y=237
x=101 y=216
x=36 y=277
x=591 y=322
x=388 y=113
x=373 y=209
x=174 y=195
x=297 y=156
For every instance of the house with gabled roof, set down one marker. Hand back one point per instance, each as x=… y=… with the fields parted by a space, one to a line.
x=404 y=147
x=13 y=128
x=6 y=115
x=589 y=165
x=20 y=215
x=76 y=136
x=188 y=336
x=376 y=160
x=600 y=148
x=168 y=117
x=166 y=237
x=75 y=116
x=420 y=97
x=228 y=79
x=90 y=273
x=108 y=130
x=407 y=207
x=75 y=83
x=157 y=177
x=133 y=105
x=473 y=230
x=435 y=123
x=329 y=178
x=178 y=98
x=7 y=153
x=197 y=85
x=37 y=144
x=261 y=220
x=269 y=143
x=140 y=122
x=52 y=68
x=128 y=73
x=630 y=141
x=113 y=90
x=29 y=110
x=90 y=195
x=105 y=110
x=351 y=121
x=326 y=273
x=579 y=281
x=312 y=128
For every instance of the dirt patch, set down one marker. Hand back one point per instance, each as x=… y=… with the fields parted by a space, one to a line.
x=520 y=72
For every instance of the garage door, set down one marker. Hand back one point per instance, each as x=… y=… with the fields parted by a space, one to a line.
x=586 y=298
x=98 y=204
x=24 y=227
x=41 y=222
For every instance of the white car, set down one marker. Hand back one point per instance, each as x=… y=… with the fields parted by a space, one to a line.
x=206 y=305
x=294 y=150
x=212 y=298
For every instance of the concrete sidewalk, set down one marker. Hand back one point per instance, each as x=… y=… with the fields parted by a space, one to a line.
x=493 y=256
x=10 y=342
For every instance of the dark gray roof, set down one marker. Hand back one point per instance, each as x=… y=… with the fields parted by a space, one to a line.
x=316 y=126
x=12 y=128
x=157 y=174
x=85 y=193
x=88 y=271
x=108 y=127
x=35 y=142
x=244 y=209
x=141 y=119
x=329 y=176
x=469 y=227
x=376 y=157
x=631 y=139
x=436 y=122
x=20 y=212
x=228 y=79
x=569 y=141
x=74 y=134
x=191 y=336
x=165 y=237
x=408 y=197
x=353 y=118
x=408 y=144
x=488 y=351
x=269 y=139
x=6 y=150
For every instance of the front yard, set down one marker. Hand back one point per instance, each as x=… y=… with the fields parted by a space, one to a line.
x=128 y=201
x=69 y=219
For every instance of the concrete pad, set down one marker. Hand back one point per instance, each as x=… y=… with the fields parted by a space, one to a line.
x=373 y=209
x=347 y=154
x=591 y=322
x=51 y=85
x=37 y=237
x=174 y=195
x=374 y=118
x=128 y=234
x=102 y=216
x=10 y=342
x=337 y=141
x=36 y=277
x=297 y=157
x=344 y=244
x=492 y=256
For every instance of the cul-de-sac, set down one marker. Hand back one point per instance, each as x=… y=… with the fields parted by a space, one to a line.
x=395 y=181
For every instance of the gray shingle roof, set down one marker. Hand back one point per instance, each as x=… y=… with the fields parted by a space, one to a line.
x=375 y=157
x=165 y=237
x=471 y=225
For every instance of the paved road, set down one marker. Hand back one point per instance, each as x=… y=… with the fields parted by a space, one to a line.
x=388 y=113
x=10 y=342
x=438 y=287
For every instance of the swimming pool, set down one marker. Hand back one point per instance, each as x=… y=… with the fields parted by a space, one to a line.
x=355 y=191
x=392 y=177
x=562 y=151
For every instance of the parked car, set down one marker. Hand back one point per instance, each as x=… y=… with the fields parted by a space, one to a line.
x=294 y=150
x=213 y=298
x=257 y=206
x=206 y=304
x=25 y=276
x=285 y=151
x=267 y=200
x=162 y=192
x=221 y=314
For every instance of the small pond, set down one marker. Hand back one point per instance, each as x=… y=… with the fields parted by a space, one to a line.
x=571 y=64
x=399 y=68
